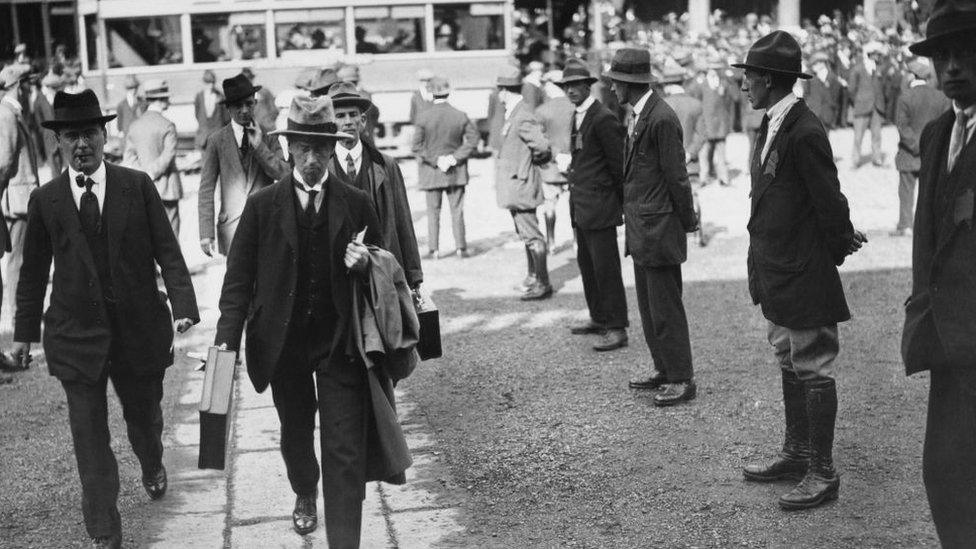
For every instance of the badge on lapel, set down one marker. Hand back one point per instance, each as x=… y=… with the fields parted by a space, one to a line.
x=963 y=210
x=771 y=164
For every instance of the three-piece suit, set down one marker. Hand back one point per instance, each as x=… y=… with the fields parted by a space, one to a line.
x=150 y=146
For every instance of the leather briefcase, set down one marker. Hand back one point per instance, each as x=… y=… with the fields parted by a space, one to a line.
x=429 y=345
x=215 y=407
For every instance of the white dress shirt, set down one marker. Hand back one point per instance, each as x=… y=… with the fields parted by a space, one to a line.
x=302 y=189
x=777 y=113
x=581 y=111
x=209 y=101
x=238 y=132
x=638 y=109
x=9 y=99
x=970 y=126
x=341 y=153
x=98 y=188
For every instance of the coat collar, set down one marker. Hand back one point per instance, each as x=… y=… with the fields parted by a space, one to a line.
x=641 y=125
x=763 y=177
x=959 y=190
x=284 y=205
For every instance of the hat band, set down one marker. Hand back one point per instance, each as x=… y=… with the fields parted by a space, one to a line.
x=631 y=68
x=71 y=114
x=773 y=62
x=575 y=74
x=951 y=23
x=325 y=127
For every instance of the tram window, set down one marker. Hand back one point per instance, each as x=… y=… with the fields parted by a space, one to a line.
x=469 y=27
x=315 y=29
x=91 y=40
x=141 y=41
x=393 y=29
x=228 y=36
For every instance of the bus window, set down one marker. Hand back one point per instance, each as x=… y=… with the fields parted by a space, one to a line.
x=394 y=29
x=228 y=36
x=314 y=29
x=142 y=41
x=469 y=26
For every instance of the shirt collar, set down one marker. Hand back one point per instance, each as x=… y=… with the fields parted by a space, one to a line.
x=639 y=105
x=970 y=112
x=782 y=107
x=301 y=184
x=98 y=176
x=585 y=105
x=917 y=83
x=13 y=103
x=356 y=151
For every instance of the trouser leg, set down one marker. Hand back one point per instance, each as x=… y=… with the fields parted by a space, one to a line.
x=584 y=258
x=88 y=418
x=141 y=397
x=455 y=198
x=665 y=324
x=15 y=258
x=906 y=199
x=719 y=160
x=860 y=125
x=705 y=161
x=604 y=259
x=433 y=219
x=876 y=155
x=294 y=399
x=172 y=208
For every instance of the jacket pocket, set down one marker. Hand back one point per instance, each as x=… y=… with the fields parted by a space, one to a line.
x=655 y=208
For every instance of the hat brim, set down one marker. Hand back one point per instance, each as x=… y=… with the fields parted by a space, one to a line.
x=325 y=135
x=929 y=46
x=58 y=124
x=157 y=96
x=630 y=77
x=801 y=75
x=574 y=80
x=361 y=102
x=239 y=98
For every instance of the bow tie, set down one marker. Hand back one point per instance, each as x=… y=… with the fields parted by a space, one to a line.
x=82 y=181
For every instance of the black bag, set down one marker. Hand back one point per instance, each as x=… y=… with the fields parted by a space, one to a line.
x=429 y=345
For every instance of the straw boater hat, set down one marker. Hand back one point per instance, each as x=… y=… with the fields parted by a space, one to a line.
x=950 y=21
x=777 y=52
x=345 y=93
x=575 y=71
x=155 y=89
x=311 y=117
x=237 y=89
x=75 y=109
x=631 y=65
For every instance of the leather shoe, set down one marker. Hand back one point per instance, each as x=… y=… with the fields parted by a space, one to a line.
x=305 y=516
x=656 y=380
x=537 y=291
x=586 y=329
x=676 y=393
x=107 y=542
x=815 y=489
x=156 y=484
x=7 y=364
x=613 y=338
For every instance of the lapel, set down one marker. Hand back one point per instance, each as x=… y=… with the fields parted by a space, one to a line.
x=337 y=210
x=63 y=203
x=285 y=211
x=116 y=209
x=760 y=178
x=587 y=118
x=640 y=127
x=956 y=185
x=377 y=169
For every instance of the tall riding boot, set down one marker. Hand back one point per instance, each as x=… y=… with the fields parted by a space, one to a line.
x=550 y=229
x=792 y=461
x=540 y=289
x=821 y=482
x=530 y=270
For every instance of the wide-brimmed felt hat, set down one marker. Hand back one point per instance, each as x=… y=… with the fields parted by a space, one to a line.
x=777 y=52
x=510 y=77
x=75 y=109
x=631 y=65
x=323 y=80
x=439 y=86
x=155 y=89
x=305 y=78
x=311 y=117
x=575 y=71
x=345 y=94
x=237 y=89
x=950 y=18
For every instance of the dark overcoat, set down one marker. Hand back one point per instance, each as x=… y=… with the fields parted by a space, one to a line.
x=917 y=106
x=942 y=306
x=442 y=129
x=823 y=98
x=658 y=208
x=77 y=336
x=799 y=227
x=596 y=177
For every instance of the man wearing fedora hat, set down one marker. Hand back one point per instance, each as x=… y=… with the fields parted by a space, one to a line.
x=658 y=212
x=242 y=158
x=799 y=231
x=940 y=315
x=822 y=92
x=866 y=85
x=521 y=150
x=105 y=229
x=130 y=107
x=594 y=169
x=265 y=111
x=359 y=163
x=150 y=146
x=918 y=105
x=44 y=111
x=289 y=279
x=210 y=112
x=350 y=75
x=443 y=139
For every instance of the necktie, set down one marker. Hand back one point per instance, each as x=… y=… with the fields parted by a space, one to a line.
x=761 y=141
x=91 y=217
x=350 y=167
x=310 y=206
x=958 y=138
x=245 y=144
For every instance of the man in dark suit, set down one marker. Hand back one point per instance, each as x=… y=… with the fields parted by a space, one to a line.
x=242 y=158
x=421 y=99
x=289 y=280
x=350 y=75
x=799 y=231
x=131 y=107
x=106 y=231
x=940 y=315
x=595 y=174
x=443 y=139
x=822 y=92
x=209 y=109
x=658 y=211
x=918 y=105
x=867 y=95
x=359 y=163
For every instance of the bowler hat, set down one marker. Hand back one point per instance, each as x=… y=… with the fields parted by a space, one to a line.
x=311 y=117
x=439 y=86
x=949 y=19
x=777 y=52
x=74 y=109
x=511 y=77
x=575 y=71
x=631 y=65
x=155 y=89
x=344 y=94
x=322 y=82
x=237 y=89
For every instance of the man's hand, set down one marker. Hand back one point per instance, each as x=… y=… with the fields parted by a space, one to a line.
x=182 y=325
x=207 y=245
x=254 y=135
x=563 y=160
x=357 y=257
x=20 y=353
x=857 y=240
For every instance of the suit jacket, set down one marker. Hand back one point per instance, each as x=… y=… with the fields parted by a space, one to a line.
x=823 y=98
x=239 y=178
x=556 y=117
x=388 y=195
x=206 y=125
x=916 y=108
x=522 y=148
x=717 y=107
x=77 y=335
x=262 y=272
x=941 y=307
x=689 y=111
x=18 y=167
x=418 y=105
x=596 y=178
x=867 y=90
x=265 y=111
x=150 y=146
x=799 y=227
x=128 y=114
x=439 y=130
x=44 y=111
x=495 y=119
x=658 y=208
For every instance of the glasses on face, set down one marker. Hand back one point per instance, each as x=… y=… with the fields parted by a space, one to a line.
x=957 y=51
x=74 y=136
